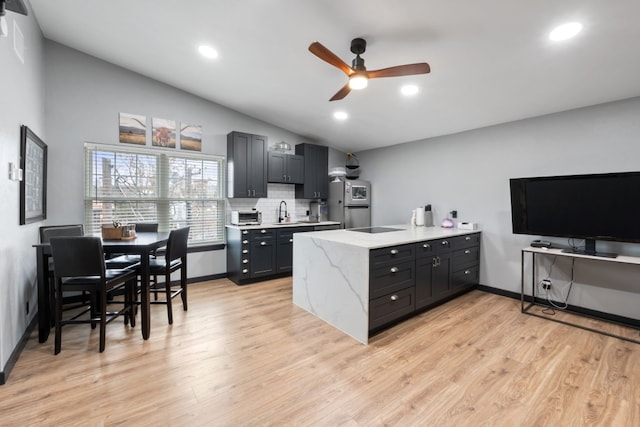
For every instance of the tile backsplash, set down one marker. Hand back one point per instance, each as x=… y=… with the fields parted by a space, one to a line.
x=297 y=208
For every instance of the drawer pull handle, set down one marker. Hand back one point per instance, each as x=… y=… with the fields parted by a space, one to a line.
x=245 y=271
x=263 y=243
x=244 y=242
x=245 y=261
x=467 y=252
x=445 y=243
x=394 y=297
x=394 y=252
x=263 y=231
x=467 y=238
x=467 y=272
x=426 y=246
x=290 y=240
x=394 y=269
x=245 y=251
x=245 y=232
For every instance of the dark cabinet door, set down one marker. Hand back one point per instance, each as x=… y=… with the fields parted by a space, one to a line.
x=295 y=169
x=263 y=257
x=441 y=275
x=284 y=262
x=316 y=181
x=285 y=168
x=257 y=166
x=246 y=165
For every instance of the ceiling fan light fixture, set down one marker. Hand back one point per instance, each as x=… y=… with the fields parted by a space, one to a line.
x=358 y=81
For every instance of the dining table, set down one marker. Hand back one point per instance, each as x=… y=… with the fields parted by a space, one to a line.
x=144 y=244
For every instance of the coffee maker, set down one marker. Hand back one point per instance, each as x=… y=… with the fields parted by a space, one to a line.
x=318 y=211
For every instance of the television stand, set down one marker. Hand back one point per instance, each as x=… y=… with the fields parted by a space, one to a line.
x=529 y=301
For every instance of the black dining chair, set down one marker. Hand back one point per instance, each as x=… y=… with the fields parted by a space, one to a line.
x=79 y=266
x=70 y=230
x=175 y=258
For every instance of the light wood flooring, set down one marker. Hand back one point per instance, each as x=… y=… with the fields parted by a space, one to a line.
x=246 y=356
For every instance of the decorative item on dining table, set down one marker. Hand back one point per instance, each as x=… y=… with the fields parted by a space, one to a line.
x=117 y=231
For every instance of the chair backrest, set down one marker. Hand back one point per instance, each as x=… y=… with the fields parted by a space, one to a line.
x=177 y=244
x=77 y=256
x=146 y=227
x=49 y=231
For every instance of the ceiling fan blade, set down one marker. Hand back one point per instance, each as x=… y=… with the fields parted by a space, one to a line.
x=326 y=55
x=344 y=91
x=400 y=70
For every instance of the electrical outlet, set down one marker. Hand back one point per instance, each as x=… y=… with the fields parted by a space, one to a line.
x=546 y=284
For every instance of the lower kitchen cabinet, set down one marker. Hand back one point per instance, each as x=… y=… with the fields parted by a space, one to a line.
x=258 y=254
x=407 y=279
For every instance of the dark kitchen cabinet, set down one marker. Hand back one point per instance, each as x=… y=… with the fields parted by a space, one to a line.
x=285 y=168
x=316 y=178
x=260 y=253
x=284 y=252
x=407 y=279
x=246 y=165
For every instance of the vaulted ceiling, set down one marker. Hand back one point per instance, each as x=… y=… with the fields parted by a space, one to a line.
x=491 y=61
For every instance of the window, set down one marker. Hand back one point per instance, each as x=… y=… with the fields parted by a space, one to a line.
x=174 y=189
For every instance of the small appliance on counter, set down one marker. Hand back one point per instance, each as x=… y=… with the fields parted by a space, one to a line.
x=318 y=211
x=252 y=217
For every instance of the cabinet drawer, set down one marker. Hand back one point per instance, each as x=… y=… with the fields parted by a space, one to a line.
x=391 y=255
x=425 y=249
x=465 y=241
x=262 y=233
x=463 y=258
x=391 y=278
x=391 y=307
x=465 y=277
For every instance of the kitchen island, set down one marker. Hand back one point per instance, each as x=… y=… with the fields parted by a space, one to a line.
x=361 y=282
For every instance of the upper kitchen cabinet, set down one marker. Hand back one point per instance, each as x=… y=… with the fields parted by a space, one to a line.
x=316 y=180
x=246 y=165
x=285 y=168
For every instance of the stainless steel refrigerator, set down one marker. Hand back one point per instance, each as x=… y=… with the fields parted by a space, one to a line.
x=350 y=203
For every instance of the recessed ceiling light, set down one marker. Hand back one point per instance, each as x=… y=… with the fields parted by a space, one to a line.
x=565 y=31
x=207 y=51
x=340 y=115
x=409 y=90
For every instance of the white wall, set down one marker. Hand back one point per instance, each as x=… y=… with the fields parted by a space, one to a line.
x=470 y=172
x=22 y=94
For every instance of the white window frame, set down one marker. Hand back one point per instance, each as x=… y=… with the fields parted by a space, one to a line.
x=201 y=206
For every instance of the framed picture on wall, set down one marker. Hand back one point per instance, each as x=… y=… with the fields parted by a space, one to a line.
x=33 y=187
x=191 y=137
x=164 y=133
x=133 y=129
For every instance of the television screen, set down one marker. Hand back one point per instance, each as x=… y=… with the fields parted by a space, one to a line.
x=591 y=207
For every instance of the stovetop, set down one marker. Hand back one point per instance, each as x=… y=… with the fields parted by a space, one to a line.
x=375 y=230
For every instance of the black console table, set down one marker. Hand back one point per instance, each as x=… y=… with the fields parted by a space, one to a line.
x=528 y=301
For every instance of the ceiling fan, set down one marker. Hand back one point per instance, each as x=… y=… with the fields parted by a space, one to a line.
x=357 y=73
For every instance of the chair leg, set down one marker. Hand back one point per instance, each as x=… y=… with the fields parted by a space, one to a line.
x=131 y=286
x=103 y=319
x=58 y=320
x=183 y=285
x=167 y=288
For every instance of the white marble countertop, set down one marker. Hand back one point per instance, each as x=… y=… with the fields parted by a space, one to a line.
x=406 y=234
x=283 y=224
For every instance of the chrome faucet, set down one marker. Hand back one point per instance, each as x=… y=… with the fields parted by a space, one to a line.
x=280 y=217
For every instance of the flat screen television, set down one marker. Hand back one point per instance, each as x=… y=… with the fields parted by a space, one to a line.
x=590 y=207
